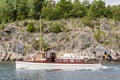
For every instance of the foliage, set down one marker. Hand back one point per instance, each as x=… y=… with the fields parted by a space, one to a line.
x=116 y=12
x=78 y=9
x=2 y=26
x=35 y=8
x=7 y=11
x=45 y=46
x=12 y=10
x=108 y=12
x=22 y=10
x=56 y=27
x=35 y=44
x=87 y=22
x=98 y=34
x=30 y=27
x=63 y=8
x=96 y=9
x=47 y=11
x=86 y=4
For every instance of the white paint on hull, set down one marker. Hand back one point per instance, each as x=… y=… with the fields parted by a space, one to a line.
x=50 y=66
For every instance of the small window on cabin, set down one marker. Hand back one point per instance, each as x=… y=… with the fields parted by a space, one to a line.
x=65 y=60
x=86 y=60
x=71 y=60
x=77 y=60
x=59 y=60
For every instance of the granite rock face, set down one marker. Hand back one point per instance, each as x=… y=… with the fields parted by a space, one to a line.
x=2 y=52
x=104 y=36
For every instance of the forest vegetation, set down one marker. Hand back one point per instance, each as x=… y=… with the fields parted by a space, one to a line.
x=17 y=10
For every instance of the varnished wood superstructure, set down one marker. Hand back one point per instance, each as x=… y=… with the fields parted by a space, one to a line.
x=68 y=58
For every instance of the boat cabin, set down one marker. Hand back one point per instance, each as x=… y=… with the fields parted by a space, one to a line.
x=65 y=58
x=69 y=58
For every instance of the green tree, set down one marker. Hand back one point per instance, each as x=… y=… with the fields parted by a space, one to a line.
x=63 y=8
x=30 y=27
x=35 y=8
x=108 y=12
x=96 y=9
x=22 y=10
x=7 y=11
x=2 y=26
x=116 y=12
x=47 y=11
x=78 y=10
x=86 y=4
x=56 y=27
x=87 y=22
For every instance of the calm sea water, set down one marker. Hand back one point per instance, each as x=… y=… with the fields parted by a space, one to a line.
x=8 y=72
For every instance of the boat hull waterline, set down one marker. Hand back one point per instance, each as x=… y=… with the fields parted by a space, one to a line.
x=52 y=66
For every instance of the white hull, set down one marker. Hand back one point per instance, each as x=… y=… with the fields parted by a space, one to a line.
x=50 y=66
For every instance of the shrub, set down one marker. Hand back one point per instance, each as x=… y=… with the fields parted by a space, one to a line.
x=87 y=22
x=56 y=27
x=97 y=35
x=30 y=27
x=35 y=44
x=21 y=17
x=2 y=26
x=45 y=46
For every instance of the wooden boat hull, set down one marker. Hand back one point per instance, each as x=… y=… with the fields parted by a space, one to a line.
x=52 y=66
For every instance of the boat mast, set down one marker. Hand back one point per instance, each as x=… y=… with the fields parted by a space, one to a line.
x=40 y=36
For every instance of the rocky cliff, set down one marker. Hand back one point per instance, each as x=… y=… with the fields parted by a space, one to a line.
x=74 y=35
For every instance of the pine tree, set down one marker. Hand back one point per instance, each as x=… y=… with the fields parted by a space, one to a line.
x=86 y=4
x=78 y=10
x=22 y=10
x=96 y=9
x=47 y=11
x=63 y=8
x=108 y=12
x=116 y=12
x=35 y=8
x=7 y=11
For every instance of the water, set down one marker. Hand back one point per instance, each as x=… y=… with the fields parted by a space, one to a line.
x=8 y=72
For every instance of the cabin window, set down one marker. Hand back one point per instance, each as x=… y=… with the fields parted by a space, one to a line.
x=65 y=60
x=71 y=60
x=59 y=60
x=86 y=60
x=77 y=60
